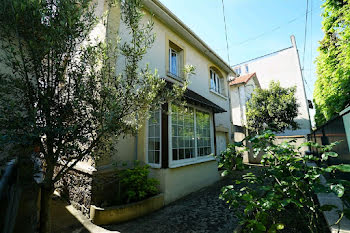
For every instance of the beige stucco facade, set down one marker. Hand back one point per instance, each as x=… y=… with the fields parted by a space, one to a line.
x=178 y=179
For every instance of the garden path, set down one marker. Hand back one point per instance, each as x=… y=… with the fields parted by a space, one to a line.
x=199 y=212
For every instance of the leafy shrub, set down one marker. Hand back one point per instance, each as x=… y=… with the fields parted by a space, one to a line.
x=135 y=185
x=231 y=158
x=285 y=191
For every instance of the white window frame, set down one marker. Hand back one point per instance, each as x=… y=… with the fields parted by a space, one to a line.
x=171 y=50
x=196 y=159
x=216 y=79
x=154 y=165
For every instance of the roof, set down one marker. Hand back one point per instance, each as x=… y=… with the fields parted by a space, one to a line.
x=263 y=56
x=167 y=17
x=196 y=99
x=242 y=79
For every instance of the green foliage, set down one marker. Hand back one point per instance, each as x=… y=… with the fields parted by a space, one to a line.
x=332 y=87
x=285 y=189
x=274 y=108
x=60 y=88
x=231 y=158
x=61 y=94
x=135 y=184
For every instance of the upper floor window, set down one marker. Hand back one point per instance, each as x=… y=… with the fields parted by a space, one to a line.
x=238 y=70
x=246 y=69
x=175 y=60
x=216 y=82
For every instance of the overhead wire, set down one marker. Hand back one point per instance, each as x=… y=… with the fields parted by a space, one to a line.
x=305 y=37
x=227 y=47
x=272 y=30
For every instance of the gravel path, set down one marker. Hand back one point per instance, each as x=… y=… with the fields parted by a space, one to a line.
x=199 y=212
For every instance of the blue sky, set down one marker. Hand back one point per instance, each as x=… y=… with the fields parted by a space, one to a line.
x=255 y=28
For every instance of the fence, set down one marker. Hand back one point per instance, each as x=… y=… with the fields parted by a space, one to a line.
x=337 y=129
x=9 y=197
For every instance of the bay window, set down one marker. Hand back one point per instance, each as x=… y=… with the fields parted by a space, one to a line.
x=154 y=138
x=191 y=135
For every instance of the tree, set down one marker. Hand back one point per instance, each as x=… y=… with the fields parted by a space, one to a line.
x=332 y=87
x=274 y=108
x=60 y=96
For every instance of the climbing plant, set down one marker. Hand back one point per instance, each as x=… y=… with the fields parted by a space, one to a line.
x=332 y=87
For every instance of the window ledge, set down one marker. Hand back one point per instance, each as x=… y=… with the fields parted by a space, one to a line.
x=152 y=165
x=192 y=161
x=173 y=76
x=218 y=94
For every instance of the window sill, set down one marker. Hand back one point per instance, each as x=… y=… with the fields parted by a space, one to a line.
x=173 y=76
x=218 y=94
x=187 y=162
x=152 y=165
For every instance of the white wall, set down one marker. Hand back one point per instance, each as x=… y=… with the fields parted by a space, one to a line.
x=283 y=66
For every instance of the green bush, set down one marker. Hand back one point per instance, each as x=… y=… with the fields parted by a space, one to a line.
x=283 y=196
x=135 y=185
x=231 y=158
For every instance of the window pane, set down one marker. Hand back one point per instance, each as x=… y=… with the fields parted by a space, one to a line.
x=203 y=133
x=156 y=157
x=154 y=137
x=183 y=131
x=151 y=156
x=173 y=62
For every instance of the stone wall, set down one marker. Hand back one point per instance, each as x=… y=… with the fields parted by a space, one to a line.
x=76 y=187
x=84 y=187
x=104 y=188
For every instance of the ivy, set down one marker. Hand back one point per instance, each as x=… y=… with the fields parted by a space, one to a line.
x=332 y=87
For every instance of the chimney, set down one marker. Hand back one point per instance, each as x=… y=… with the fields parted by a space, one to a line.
x=292 y=39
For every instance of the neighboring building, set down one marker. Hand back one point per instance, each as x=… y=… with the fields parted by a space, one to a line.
x=282 y=66
x=180 y=146
x=241 y=89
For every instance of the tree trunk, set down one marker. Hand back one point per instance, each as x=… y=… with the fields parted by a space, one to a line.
x=45 y=209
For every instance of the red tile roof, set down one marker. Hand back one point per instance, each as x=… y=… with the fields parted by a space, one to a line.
x=242 y=79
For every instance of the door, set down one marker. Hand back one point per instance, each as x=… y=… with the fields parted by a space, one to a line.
x=221 y=142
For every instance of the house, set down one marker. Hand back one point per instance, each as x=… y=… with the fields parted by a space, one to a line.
x=282 y=66
x=179 y=146
x=241 y=89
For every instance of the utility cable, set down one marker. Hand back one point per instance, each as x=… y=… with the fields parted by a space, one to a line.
x=228 y=51
x=272 y=30
x=305 y=33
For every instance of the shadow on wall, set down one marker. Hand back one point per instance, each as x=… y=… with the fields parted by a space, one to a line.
x=304 y=128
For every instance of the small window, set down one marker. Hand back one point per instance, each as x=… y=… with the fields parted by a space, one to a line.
x=246 y=69
x=175 y=60
x=216 y=82
x=238 y=70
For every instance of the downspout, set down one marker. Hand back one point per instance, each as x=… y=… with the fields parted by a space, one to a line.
x=136 y=141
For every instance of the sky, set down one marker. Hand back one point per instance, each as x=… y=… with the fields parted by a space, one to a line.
x=255 y=28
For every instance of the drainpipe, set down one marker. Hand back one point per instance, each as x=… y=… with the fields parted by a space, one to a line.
x=136 y=141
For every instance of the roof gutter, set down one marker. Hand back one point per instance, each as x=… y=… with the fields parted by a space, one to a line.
x=167 y=17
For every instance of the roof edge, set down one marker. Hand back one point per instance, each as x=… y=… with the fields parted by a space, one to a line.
x=268 y=54
x=148 y=4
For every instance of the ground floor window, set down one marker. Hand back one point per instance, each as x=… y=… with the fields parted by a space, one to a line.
x=154 y=138
x=191 y=134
